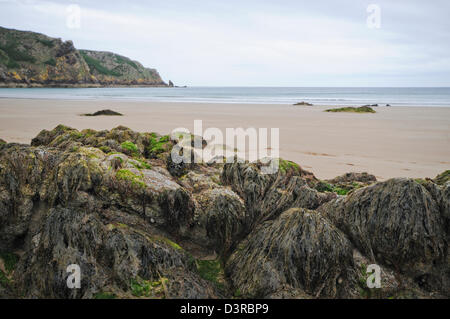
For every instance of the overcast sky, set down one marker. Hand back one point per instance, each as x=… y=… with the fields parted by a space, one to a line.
x=257 y=43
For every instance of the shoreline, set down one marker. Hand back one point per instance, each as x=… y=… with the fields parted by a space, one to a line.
x=397 y=141
x=125 y=100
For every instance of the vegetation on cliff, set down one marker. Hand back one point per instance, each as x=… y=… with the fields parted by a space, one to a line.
x=29 y=59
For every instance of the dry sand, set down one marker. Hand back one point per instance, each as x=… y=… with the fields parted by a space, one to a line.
x=394 y=142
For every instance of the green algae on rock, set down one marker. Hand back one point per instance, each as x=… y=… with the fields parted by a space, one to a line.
x=350 y=109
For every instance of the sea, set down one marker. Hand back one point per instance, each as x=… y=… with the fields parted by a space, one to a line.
x=339 y=96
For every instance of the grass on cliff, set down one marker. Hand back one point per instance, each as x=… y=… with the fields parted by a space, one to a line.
x=95 y=64
x=14 y=55
x=123 y=60
x=51 y=62
x=362 y=109
x=47 y=43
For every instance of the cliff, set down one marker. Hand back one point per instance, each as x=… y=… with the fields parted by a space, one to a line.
x=140 y=225
x=29 y=59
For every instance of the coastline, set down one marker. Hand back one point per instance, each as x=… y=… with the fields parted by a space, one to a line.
x=394 y=142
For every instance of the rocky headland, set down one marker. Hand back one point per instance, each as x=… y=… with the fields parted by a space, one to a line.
x=141 y=226
x=29 y=59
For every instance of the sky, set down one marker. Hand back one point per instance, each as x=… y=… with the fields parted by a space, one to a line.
x=381 y=43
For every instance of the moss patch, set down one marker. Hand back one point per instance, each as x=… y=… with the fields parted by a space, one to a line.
x=443 y=178
x=10 y=260
x=148 y=288
x=285 y=165
x=167 y=241
x=126 y=175
x=323 y=187
x=140 y=164
x=157 y=145
x=4 y=281
x=211 y=270
x=104 y=295
x=130 y=147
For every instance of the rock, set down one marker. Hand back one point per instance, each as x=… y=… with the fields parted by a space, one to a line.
x=171 y=84
x=398 y=223
x=442 y=178
x=110 y=254
x=303 y=104
x=350 y=109
x=220 y=220
x=104 y=112
x=299 y=251
x=343 y=185
x=113 y=203
x=354 y=177
x=56 y=204
x=266 y=196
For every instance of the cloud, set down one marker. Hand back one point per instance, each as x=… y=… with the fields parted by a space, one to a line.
x=286 y=43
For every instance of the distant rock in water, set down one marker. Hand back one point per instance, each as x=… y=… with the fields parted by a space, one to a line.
x=29 y=59
x=303 y=103
x=350 y=109
x=104 y=112
x=113 y=203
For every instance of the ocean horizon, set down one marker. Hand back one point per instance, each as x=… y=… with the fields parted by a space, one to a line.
x=338 y=96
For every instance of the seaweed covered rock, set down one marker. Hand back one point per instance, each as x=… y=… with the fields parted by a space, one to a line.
x=55 y=207
x=113 y=203
x=299 y=252
x=354 y=177
x=344 y=184
x=120 y=139
x=106 y=112
x=396 y=223
x=114 y=257
x=266 y=196
x=443 y=178
x=220 y=220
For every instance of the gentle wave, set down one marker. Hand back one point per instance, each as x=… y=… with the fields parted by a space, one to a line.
x=255 y=95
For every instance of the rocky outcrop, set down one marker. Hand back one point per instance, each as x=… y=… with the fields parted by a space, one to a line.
x=397 y=223
x=289 y=253
x=29 y=59
x=114 y=203
x=266 y=196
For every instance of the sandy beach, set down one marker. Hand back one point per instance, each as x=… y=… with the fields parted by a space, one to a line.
x=394 y=142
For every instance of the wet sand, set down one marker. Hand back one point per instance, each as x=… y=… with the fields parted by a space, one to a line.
x=394 y=142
